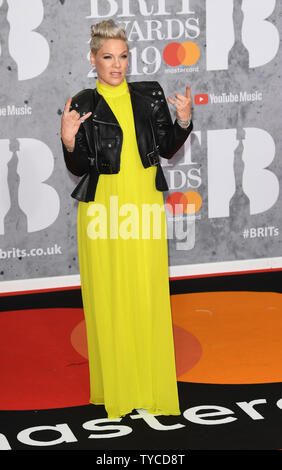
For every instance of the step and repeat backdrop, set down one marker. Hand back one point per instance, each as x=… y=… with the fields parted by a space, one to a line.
x=228 y=171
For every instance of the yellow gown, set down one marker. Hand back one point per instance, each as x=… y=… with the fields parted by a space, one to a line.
x=125 y=284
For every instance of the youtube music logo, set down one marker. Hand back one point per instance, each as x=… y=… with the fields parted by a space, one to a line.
x=201 y=99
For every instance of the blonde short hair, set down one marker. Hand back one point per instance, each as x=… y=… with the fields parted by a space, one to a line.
x=104 y=30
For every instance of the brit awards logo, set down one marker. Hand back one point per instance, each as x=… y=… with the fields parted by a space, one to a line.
x=26 y=163
x=248 y=151
x=234 y=30
x=19 y=39
x=25 y=166
x=258 y=37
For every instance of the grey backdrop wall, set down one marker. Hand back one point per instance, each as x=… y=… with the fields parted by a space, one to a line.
x=228 y=51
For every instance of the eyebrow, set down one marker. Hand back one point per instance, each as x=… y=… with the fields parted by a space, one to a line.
x=110 y=53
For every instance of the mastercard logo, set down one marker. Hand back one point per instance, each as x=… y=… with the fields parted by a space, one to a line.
x=219 y=338
x=228 y=337
x=189 y=202
x=187 y=53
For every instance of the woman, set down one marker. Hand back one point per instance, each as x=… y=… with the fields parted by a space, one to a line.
x=113 y=137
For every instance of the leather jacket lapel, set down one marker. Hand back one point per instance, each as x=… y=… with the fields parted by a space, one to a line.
x=138 y=104
x=103 y=112
x=141 y=113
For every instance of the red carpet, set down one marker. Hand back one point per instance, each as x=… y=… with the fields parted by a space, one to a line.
x=40 y=368
x=220 y=338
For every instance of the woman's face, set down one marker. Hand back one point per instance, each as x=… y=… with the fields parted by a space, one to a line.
x=111 y=62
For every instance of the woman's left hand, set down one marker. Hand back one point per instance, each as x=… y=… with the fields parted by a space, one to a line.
x=182 y=104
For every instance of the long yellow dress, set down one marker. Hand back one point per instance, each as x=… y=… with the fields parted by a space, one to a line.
x=125 y=284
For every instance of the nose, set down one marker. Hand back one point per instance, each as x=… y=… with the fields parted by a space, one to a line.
x=117 y=62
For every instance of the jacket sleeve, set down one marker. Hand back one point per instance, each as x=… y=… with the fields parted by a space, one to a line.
x=171 y=136
x=77 y=162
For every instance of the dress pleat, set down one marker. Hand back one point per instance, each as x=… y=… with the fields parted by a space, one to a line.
x=125 y=284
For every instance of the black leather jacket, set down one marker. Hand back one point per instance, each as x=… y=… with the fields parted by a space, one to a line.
x=99 y=139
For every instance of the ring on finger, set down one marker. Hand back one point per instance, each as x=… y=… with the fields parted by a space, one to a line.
x=81 y=119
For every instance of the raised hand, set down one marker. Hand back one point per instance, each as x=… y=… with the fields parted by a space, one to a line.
x=182 y=104
x=70 y=123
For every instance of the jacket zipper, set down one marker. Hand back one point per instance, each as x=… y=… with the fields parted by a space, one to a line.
x=96 y=151
x=108 y=123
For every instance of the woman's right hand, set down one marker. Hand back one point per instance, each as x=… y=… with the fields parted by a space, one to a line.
x=71 y=121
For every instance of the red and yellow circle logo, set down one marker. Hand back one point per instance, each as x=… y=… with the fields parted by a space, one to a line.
x=219 y=337
x=187 y=53
x=189 y=202
x=228 y=337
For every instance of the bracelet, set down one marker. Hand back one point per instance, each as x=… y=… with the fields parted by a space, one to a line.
x=186 y=123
